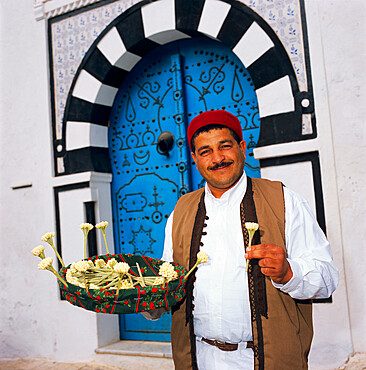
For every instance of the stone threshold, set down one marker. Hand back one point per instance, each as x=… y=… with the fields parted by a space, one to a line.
x=137 y=348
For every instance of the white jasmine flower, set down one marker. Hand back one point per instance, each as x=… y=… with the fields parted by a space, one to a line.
x=82 y=266
x=100 y=263
x=202 y=257
x=125 y=284
x=101 y=225
x=48 y=237
x=91 y=264
x=121 y=267
x=72 y=268
x=86 y=226
x=45 y=263
x=167 y=270
x=159 y=281
x=71 y=279
x=38 y=251
x=111 y=263
x=252 y=227
x=94 y=286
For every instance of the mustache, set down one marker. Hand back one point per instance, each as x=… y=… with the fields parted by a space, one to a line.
x=220 y=165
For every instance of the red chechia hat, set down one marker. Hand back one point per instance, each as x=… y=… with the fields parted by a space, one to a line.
x=220 y=117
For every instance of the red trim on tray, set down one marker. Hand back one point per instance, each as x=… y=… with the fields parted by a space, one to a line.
x=115 y=300
x=166 y=293
x=150 y=265
x=83 y=306
x=181 y=280
x=94 y=299
x=138 y=299
x=120 y=255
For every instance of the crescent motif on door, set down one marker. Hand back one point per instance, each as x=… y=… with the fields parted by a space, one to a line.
x=141 y=159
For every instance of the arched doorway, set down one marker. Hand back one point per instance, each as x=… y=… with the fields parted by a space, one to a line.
x=163 y=92
x=141 y=29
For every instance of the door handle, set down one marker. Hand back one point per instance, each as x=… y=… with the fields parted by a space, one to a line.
x=165 y=143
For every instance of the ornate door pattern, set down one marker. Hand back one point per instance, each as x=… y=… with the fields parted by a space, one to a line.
x=150 y=157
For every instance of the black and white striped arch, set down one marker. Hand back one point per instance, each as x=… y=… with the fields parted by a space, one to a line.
x=149 y=24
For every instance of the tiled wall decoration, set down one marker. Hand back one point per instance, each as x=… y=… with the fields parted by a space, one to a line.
x=71 y=38
x=284 y=16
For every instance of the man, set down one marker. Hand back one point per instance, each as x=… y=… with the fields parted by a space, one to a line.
x=233 y=318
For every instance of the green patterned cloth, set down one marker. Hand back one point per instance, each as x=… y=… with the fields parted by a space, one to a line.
x=134 y=300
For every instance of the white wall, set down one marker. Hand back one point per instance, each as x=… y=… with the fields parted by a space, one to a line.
x=343 y=35
x=337 y=50
x=35 y=323
x=27 y=295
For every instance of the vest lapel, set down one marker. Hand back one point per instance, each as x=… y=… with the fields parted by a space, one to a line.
x=256 y=280
x=196 y=243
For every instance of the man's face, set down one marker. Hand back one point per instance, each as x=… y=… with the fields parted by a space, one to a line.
x=219 y=159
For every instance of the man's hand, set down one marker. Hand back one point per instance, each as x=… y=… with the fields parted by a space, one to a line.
x=272 y=260
x=155 y=314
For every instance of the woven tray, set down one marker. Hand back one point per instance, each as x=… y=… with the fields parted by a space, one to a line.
x=134 y=300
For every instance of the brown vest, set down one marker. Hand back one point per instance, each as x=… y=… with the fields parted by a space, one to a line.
x=282 y=326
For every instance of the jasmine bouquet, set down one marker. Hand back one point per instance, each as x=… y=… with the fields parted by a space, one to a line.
x=121 y=283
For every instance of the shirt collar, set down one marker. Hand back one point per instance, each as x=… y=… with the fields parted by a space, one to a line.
x=231 y=196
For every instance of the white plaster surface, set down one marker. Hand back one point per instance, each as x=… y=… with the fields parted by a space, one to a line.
x=85 y=134
x=159 y=22
x=296 y=176
x=106 y=95
x=127 y=61
x=254 y=43
x=275 y=98
x=213 y=9
x=86 y=87
x=47 y=8
x=280 y=150
x=168 y=36
x=35 y=323
x=158 y=17
x=27 y=298
x=89 y=88
x=344 y=46
x=71 y=215
x=112 y=46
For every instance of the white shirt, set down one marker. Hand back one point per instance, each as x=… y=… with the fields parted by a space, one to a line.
x=221 y=300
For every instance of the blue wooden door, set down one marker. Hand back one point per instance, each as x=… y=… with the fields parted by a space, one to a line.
x=151 y=162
